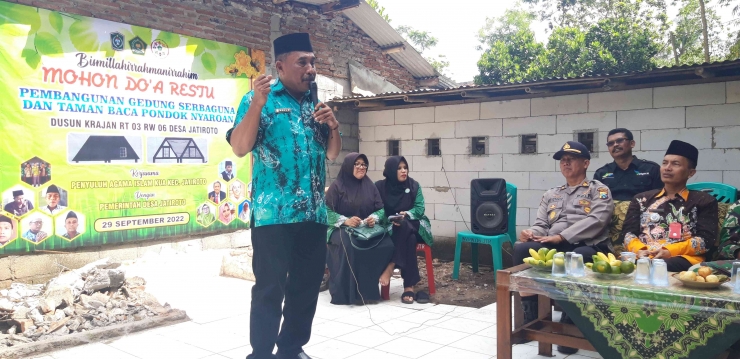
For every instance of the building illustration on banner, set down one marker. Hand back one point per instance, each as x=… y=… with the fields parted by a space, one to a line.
x=106 y=149
x=177 y=150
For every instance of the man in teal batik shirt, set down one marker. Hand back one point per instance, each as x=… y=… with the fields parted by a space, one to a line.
x=290 y=139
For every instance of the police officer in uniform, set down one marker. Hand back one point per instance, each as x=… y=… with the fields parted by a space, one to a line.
x=571 y=218
x=627 y=175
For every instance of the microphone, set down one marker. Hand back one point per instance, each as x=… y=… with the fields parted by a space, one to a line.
x=314 y=93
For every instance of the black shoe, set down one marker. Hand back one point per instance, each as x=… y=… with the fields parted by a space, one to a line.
x=564 y=319
x=531 y=313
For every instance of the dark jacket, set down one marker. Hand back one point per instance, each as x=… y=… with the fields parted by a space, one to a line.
x=640 y=176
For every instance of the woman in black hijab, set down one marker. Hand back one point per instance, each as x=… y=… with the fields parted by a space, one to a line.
x=352 y=200
x=402 y=196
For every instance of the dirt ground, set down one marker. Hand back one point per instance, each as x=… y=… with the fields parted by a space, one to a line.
x=471 y=290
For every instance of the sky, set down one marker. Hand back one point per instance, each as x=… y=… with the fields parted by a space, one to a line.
x=455 y=23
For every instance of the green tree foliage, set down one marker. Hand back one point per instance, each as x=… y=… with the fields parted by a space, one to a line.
x=608 y=46
x=585 y=13
x=420 y=40
x=511 y=48
x=379 y=9
x=685 y=46
x=735 y=4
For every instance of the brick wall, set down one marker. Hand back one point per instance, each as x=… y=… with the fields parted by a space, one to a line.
x=335 y=38
x=706 y=115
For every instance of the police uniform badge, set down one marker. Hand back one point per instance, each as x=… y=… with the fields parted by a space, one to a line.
x=603 y=193
x=587 y=210
x=552 y=215
x=584 y=203
x=552 y=206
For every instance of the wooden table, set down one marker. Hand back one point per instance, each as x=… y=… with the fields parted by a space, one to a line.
x=542 y=330
x=619 y=318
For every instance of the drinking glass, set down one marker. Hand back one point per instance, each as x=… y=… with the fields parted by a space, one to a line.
x=660 y=273
x=628 y=256
x=735 y=269
x=558 y=265
x=642 y=273
x=577 y=267
x=568 y=258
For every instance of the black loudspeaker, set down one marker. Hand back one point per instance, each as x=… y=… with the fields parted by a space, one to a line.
x=488 y=209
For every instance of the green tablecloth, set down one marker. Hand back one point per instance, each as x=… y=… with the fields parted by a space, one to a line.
x=626 y=320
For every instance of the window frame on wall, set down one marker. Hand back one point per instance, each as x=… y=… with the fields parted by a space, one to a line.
x=394 y=146
x=432 y=145
x=478 y=140
x=594 y=143
x=523 y=142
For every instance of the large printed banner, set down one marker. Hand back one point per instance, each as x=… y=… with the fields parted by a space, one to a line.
x=112 y=133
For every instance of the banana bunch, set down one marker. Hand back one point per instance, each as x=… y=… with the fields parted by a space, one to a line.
x=608 y=258
x=541 y=258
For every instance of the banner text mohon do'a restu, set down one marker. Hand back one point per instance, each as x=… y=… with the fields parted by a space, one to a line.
x=115 y=133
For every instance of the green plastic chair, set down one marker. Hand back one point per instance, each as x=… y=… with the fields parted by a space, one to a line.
x=494 y=241
x=722 y=192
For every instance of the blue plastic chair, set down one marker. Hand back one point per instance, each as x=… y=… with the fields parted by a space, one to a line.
x=494 y=241
x=722 y=192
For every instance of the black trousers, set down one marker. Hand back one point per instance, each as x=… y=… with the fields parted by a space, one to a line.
x=521 y=249
x=405 y=237
x=288 y=264
x=678 y=264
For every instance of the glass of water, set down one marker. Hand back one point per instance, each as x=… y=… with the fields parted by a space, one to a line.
x=577 y=268
x=568 y=256
x=628 y=256
x=558 y=265
x=660 y=273
x=735 y=269
x=642 y=273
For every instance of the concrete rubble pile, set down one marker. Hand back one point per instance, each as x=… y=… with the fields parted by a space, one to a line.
x=94 y=296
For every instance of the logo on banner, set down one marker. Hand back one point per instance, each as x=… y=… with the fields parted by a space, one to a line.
x=117 y=41
x=138 y=46
x=160 y=49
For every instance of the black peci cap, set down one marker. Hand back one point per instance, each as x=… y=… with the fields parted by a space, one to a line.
x=684 y=149
x=299 y=41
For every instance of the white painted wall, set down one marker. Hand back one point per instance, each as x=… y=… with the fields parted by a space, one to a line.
x=706 y=115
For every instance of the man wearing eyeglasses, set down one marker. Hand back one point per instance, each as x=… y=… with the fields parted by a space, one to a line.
x=627 y=175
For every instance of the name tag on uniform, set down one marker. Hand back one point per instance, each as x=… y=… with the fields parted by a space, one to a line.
x=282 y=110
